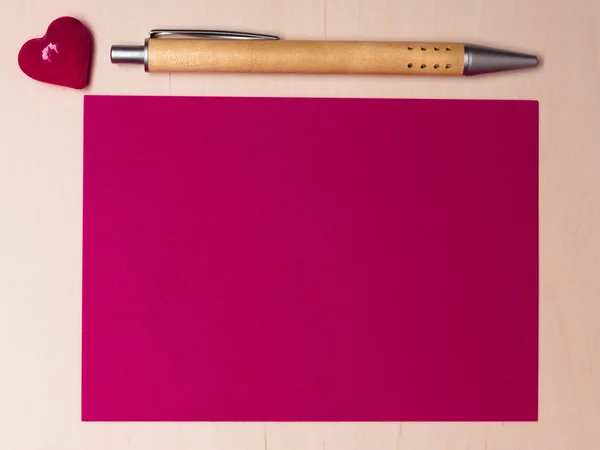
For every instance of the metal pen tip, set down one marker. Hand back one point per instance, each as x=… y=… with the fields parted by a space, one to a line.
x=481 y=60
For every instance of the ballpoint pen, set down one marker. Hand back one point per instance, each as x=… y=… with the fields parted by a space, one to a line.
x=226 y=51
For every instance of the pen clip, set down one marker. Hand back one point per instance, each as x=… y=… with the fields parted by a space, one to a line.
x=210 y=34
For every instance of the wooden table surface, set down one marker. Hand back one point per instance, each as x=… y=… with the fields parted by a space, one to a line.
x=41 y=206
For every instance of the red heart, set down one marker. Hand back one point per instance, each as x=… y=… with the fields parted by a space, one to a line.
x=61 y=57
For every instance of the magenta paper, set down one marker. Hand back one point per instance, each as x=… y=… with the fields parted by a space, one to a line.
x=287 y=259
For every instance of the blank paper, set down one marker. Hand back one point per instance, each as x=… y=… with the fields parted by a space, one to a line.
x=299 y=259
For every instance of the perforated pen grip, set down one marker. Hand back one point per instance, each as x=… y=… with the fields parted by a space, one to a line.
x=325 y=57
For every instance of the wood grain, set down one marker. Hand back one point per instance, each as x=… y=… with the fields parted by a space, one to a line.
x=308 y=56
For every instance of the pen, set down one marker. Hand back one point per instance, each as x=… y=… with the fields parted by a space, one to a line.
x=227 y=51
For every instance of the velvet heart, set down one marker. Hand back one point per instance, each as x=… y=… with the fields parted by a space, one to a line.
x=61 y=57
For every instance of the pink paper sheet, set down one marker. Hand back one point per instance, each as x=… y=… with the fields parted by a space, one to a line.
x=278 y=259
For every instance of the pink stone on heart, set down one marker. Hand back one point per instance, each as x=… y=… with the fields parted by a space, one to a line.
x=46 y=51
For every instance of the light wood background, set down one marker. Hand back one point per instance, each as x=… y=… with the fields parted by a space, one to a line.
x=41 y=206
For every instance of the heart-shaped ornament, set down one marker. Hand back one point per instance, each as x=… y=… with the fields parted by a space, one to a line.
x=61 y=57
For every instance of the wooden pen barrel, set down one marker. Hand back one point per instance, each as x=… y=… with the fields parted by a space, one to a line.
x=320 y=57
